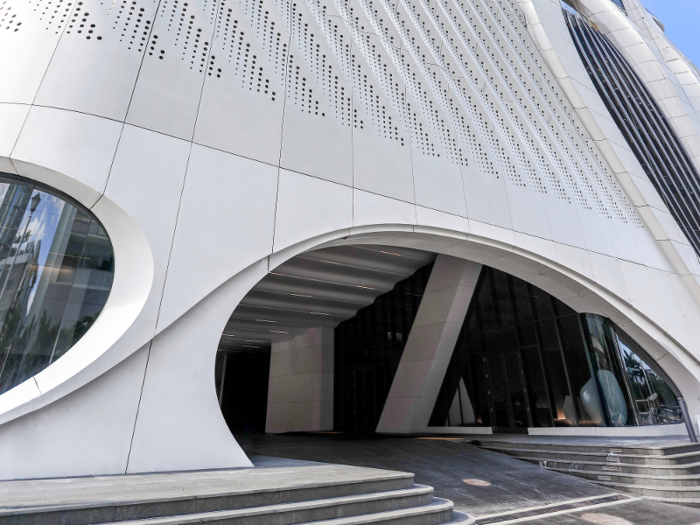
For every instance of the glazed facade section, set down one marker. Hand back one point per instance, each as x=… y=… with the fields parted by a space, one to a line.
x=645 y=127
x=368 y=349
x=525 y=359
x=56 y=271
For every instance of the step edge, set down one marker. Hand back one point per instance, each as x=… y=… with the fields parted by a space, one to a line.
x=435 y=506
x=15 y=511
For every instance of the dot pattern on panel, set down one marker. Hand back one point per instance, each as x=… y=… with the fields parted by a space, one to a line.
x=9 y=20
x=130 y=21
x=52 y=13
x=268 y=36
x=384 y=103
x=459 y=80
x=186 y=24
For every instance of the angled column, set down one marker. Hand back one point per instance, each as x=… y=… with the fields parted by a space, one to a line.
x=300 y=394
x=429 y=346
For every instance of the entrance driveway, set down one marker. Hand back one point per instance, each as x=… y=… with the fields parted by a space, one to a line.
x=492 y=487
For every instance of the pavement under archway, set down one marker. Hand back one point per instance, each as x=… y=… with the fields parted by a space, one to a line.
x=456 y=469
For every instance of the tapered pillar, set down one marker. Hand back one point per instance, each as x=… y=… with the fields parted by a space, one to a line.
x=429 y=346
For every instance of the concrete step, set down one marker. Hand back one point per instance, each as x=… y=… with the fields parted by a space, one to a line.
x=669 y=493
x=669 y=474
x=605 y=467
x=686 y=502
x=634 y=479
x=404 y=502
x=439 y=512
x=107 y=499
x=660 y=450
x=574 y=455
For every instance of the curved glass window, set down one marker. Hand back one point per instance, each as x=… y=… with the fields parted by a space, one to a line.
x=56 y=271
x=525 y=359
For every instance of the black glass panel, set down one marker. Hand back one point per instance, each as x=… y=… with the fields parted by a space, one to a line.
x=368 y=349
x=242 y=382
x=524 y=359
x=642 y=122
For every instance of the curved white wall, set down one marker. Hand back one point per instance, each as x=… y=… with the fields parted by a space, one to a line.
x=448 y=128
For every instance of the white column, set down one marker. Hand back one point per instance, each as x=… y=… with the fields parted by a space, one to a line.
x=300 y=395
x=429 y=346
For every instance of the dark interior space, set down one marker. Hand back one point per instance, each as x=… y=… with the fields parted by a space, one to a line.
x=242 y=379
x=368 y=349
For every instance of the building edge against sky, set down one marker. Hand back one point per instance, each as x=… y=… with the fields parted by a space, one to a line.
x=273 y=168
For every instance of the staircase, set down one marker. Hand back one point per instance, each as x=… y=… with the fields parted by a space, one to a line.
x=275 y=496
x=669 y=473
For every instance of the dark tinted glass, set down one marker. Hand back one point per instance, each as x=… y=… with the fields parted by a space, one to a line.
x=525 y=359
x=644 y=125
x=368 y=349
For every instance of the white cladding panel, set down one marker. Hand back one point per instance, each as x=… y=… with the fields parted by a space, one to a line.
x=236 y=134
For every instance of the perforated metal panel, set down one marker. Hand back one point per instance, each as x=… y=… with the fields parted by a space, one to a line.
x=647 y=130
x=459 y=81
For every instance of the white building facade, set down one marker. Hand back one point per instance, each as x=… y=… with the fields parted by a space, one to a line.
x=201 y=155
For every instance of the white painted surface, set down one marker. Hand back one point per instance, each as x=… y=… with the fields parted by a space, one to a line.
x=205 y=183
x=300 y=392
x=429 y=346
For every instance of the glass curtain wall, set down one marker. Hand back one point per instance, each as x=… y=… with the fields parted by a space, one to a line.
x=641 y=120
x=368 y=349
x=525 y=359
x=56 y=271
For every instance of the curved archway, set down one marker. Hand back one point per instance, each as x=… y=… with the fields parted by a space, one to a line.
x=93 y=354
x=581 y=294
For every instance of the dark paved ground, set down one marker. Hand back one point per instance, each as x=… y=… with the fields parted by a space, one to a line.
x=445 y=463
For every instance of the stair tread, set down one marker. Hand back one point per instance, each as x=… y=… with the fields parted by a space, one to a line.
x=438 y=505
x=617 y=473
x=559 y=446
x=203 y=517
x=609 y=463
x=461 y=519
x=601 y=453
x=178 y=496
x=675 y=501
x=669 y=488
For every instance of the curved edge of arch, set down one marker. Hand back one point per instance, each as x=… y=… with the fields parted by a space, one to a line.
x=561 y=281
x=133 y=279
x=646 y=211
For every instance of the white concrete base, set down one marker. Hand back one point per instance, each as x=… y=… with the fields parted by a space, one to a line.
x=645 y=431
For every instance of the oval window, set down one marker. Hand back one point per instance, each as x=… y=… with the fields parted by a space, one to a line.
x=56 y=271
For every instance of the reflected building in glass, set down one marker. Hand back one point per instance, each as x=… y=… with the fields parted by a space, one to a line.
x=524 y=359
x=56 y=270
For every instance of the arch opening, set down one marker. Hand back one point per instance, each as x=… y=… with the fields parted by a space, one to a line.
x=316 y=344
